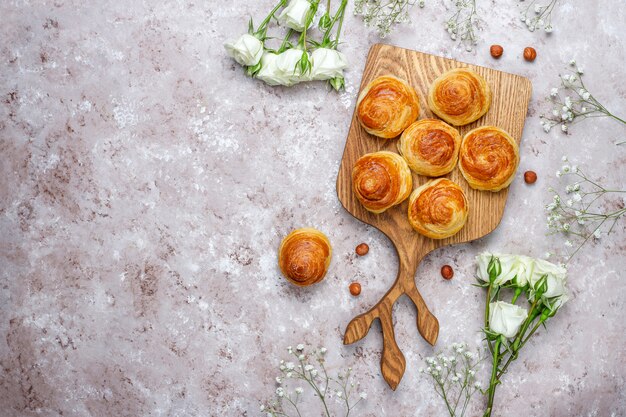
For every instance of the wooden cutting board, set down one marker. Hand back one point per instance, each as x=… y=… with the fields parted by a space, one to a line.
x=511 y=94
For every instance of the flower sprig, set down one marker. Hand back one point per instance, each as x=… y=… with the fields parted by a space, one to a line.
x=464 y=24
x=536 y=16
x=294 y=61
x=307 y=369
x=454 y=377
x=508 y=326
x=572 y=102
x=582 y=211
x=384 y=15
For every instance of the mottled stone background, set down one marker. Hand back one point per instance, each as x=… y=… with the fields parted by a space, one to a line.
x=146 y=184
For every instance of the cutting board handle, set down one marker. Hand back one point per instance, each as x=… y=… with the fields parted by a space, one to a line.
x=392 y=362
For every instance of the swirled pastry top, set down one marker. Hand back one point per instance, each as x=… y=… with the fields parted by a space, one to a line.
x=386 y=106
x=430 y=147
x=381 y=180
x=304 y=256
x=488 y=158
x=438 y=209
x=459 y=96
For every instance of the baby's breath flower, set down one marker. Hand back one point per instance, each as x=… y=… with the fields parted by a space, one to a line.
x=363 y=395
x=300 y=347
x=577 y=103
x=384 y=16
x=299 y=390
x=464 y=23
x=583 y=215
x=542 y=16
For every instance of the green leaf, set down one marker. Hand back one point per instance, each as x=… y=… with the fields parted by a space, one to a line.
x=252 y=71
x=251 y=27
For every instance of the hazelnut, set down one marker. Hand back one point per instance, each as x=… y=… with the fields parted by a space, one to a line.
x=447 y=272
x=362 y=249
x=355 y=288
x=530 y=54
x=496 y=51
x=530 y=177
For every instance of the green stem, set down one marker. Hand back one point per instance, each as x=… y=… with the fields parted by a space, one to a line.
x=283 y=45
x=269 y=16
x=513 y=357
x=487 y=316
x=493 y=382
x=307 y=22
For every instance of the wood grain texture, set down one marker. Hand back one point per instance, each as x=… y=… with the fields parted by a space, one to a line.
x=511 y=94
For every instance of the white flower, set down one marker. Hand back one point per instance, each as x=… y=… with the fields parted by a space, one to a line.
x=538 y=8
x=477 y=385
x=247 y=50
x=568 y=102
x=314 y=372
x=288 y=67
x=558 y=174
x=572 y=62
x=554 y=92
x=294 y=15
x=505 y=318
x=301 y=357
x=339 y=394
x=280 y=391
x=299 y=390
x=548 y=29
x=278 y=380
x=577 y=197
x=289 y=365
x=300 y=347
x=580 y=70
x=327 y=64
x=586 y=96
x=583 y=109
x=323 y=350
x=363 y=395
x=564 y=128
x=269 y=72
x=262 y=407
x=597 y=233
x=546 y=128
x=556 y=279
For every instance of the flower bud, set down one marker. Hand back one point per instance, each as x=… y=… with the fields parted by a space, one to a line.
x=325 y=22
x=494 y=269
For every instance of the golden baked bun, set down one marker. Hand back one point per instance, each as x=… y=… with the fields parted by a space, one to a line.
x=381 y=180
x=459 y=96
x=430 y=147
x=304 y=256
x=438 y=209
x=488 y=158
x=386 y=106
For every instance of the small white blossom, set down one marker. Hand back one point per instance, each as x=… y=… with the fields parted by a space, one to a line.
x=280 y=391
x=299 y=390
x=363 y=395
x=568 y=243
x=300 y=347
x=597 y=233
x=564 y=128
x=323 y=350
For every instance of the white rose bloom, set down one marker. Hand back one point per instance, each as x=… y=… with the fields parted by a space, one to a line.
x=505 y=318
x=269 y=71
x=327 y=64
x=288 y=68
x=482 y=263
x=247 y=50
x=557 y=276
x=294 y=15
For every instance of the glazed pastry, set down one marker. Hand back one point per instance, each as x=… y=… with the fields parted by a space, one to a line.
x=438 y=209
x=381 y=180
x=488 y=158
x=387 y=106
x=304 y=256
x=459 y=96
x=430 y=147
